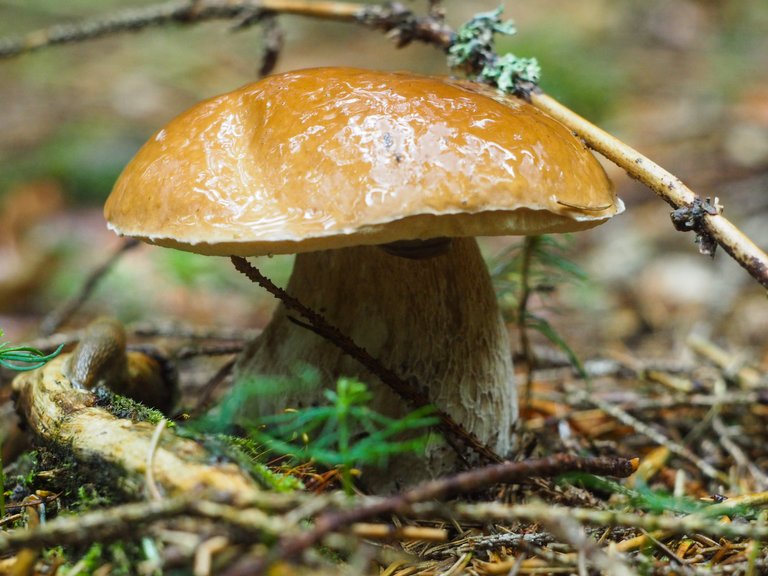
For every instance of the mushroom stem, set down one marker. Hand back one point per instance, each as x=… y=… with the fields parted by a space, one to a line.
x=433 y=321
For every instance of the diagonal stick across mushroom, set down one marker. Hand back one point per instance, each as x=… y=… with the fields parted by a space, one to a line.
x=454 y=432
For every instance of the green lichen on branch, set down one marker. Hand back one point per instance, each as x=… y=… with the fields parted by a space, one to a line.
x=473 y=52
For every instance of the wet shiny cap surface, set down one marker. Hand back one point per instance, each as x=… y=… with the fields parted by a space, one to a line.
x=332 y=157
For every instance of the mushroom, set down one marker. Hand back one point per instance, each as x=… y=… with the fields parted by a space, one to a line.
x=379 y=182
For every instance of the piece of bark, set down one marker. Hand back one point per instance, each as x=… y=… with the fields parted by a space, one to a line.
x=65 y=417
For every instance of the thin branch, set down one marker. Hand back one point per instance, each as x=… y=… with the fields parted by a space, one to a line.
x=571 y=532
x=174 y=12
x=732 y=366
x=58 y=317
x=206 y=395
x=704 y=522
x=149 y=476
x=650 y=432
x=467 y=482
x=408 y=391
x=110 y=523
x=189 y=332
x=403 y=25
x=724 y=437
x=212 y=350
x=273 y=41
x=710 y=225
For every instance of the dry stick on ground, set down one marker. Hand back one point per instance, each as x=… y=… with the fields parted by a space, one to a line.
x=205 y=395
x=188 y=332
x=60 y=315
x=732 y=366
x=724 y=437
x=124 y=521
x=455 y=434
x=569 y=531
x=705 y=522
x=274 y=39
x=466 y=482
x=108 y=524
x=209 y=350
x=625 y=418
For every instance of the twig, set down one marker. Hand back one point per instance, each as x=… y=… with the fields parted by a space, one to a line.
x=741 y=459
x=408 y=391
x=704 y=522
x=124 y=520
x=643 y=428
x=466 y=482
x=390 y=17
x=174 y=12
x=151 y=486
x=215 y=350
x=109 y=523
x=54 y=320
x=679 y=562
x=697 y=400
x=710 y=224
x=205 y=552
x=495 y=541
x=732 y=367
x=390 y=532
x=273 y=41
x=570 y=531
x=175 y=330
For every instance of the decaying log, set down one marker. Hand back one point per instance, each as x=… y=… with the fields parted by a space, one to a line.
x=65 y=417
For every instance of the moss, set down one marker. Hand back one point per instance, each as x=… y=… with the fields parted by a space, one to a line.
x=82 y=485
x=123 y=407
x=122 y=556
x=247 y=454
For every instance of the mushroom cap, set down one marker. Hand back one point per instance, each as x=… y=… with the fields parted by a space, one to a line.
x=333 y=157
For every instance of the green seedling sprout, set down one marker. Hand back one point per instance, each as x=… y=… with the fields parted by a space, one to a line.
x=24 y=358
x=344 y=433
x=536 y=266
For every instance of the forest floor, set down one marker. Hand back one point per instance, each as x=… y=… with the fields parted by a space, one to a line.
x=674 y=344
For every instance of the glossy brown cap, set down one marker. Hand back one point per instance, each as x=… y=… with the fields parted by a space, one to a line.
x=332 y=157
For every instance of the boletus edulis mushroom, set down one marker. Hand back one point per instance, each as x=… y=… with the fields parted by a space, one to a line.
x=379 y=182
